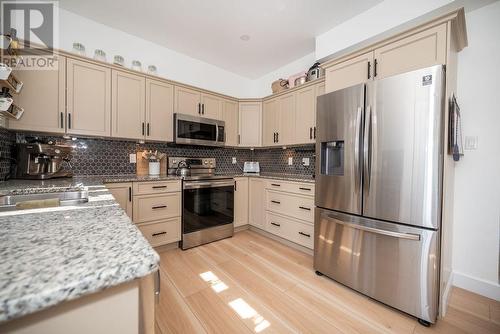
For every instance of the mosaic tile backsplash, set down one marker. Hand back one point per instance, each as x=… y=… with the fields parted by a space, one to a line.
x=7 y=141
x=97 y=156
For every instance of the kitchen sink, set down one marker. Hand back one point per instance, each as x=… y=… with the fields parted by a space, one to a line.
x=66 y=198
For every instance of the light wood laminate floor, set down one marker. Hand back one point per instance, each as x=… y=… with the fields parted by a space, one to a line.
x=252 y=284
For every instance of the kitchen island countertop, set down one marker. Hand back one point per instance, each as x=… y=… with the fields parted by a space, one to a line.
x=52 y=255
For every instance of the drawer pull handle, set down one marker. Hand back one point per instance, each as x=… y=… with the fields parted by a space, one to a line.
x=305 y=234
x=158 y=234
x=308 y=189
x=275 y=224
x=304 y=208
x=276 y=202
x=159 y=207
x=276 y=185
x=158 y=187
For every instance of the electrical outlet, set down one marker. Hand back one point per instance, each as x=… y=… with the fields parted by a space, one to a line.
x=305 y=161
x=234 y=160
x=290 y=161
x=133 y=158
x=471 y=142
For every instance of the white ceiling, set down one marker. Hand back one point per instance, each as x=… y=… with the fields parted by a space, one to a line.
x=280 y=30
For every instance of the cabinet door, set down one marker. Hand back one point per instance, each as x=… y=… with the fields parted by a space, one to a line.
x=88 y=98
x=128 y=105
x=305 y=115
x=122 y=192
x=250 y=124
x=270 y=122
x=187 y=101
x=43 y=99
x=241 y=201
x=159 y=110
x=349 y=73
x=421 y=50
x=256 y=202
x=230 y=117
x=286 y=120
x=211 y=106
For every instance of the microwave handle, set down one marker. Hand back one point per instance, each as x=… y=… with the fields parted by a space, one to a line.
x=216 y=132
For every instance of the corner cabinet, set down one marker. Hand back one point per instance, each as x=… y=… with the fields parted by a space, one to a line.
x=128 y=105
x=240 y=201
x=43 y=99
x=256 y=202
x=250 y=124
x=88 y=98
x=122 y=192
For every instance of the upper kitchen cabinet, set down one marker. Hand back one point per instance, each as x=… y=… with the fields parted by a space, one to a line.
x=250 y=124
x=286 y=120
x=230 y=118
x=348 y=73
x=187 y=101
x=270 y=126
x=159 y=110
x=128 y=105
x=211 y=106
x=43 y=99
x=423 y=49
x=305 y=118
x=88 y=98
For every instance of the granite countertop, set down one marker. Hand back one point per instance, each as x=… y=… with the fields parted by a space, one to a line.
x=52 y=255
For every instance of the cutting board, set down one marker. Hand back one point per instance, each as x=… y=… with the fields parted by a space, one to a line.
x=142 y=165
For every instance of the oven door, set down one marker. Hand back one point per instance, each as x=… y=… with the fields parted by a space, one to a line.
x=194 y=130
x=207 y=204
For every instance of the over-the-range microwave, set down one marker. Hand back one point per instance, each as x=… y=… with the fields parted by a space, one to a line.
x=195 y=130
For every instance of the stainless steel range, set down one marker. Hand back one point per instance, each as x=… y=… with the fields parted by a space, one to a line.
x=207 y=201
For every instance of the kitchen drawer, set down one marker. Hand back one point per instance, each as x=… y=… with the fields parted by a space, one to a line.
x=157 y=187
x=155 y=207
x=291 y=187
x=303 y=234
x=296 y=206
x=279 y=226
x=162 y=232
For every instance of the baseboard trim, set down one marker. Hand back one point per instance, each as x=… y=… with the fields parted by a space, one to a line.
x=446 y=296
x=283 y=241
x=481 y=287
x=167 y=247
x=241 y=228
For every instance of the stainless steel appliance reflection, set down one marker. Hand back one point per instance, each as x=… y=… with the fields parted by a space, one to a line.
x=378 y=189
x=207 y=202
x=42 y=160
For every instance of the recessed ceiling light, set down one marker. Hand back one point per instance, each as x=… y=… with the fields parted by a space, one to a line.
x=245 y=38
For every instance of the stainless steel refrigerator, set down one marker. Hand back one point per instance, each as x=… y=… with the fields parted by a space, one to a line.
x=378 y=199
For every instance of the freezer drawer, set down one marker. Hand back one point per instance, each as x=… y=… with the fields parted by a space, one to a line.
x=395 y=264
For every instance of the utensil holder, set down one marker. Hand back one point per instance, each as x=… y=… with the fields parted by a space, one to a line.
x=154 y=168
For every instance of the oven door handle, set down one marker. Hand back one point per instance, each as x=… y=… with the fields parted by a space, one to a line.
x=209 y=184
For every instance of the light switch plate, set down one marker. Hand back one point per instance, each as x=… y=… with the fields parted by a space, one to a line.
x=471 y=142
x=234 y=160
x=290 y=161
x=305 y=161
x=133 y=158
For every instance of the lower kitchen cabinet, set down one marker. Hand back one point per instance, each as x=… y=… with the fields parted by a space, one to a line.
x=122 y=192
x=256 y=197
x=155 y=207
x=290 y=211
x=240 y=201
x=162 y=232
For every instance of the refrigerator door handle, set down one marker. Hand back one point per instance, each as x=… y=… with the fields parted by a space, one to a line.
x=357 y=145
x=409 y=236
x=367 y=148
